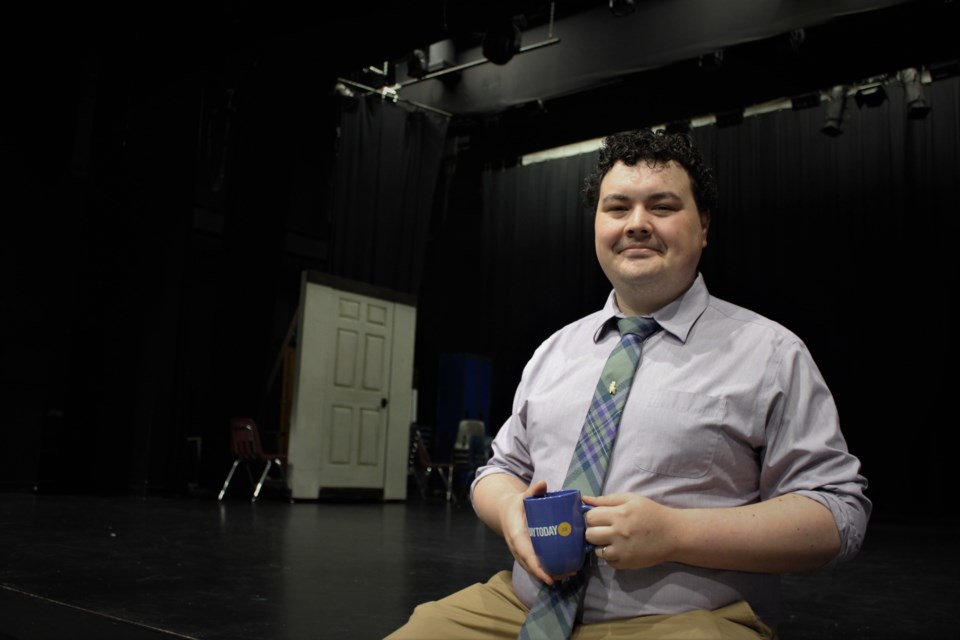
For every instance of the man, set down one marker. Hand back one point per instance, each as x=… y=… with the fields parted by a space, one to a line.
x=728 y=467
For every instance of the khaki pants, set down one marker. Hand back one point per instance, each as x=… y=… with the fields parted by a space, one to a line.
x=492 y=610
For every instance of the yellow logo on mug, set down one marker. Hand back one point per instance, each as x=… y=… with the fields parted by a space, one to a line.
x=564 y=529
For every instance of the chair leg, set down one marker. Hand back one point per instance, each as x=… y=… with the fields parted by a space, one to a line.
x=263 y=476
x=448 y=481
x=421 y=479
x=226 y=482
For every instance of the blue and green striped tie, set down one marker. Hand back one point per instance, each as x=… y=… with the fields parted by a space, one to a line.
x=554 y=614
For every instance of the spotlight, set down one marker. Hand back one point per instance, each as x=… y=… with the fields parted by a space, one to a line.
x=501 y=41
x=622 y=8
x=729 y=118
x=805 y=100
x=378 y=77
x=870 y=96
x=917 y=105
x=711 y=61
x=417 y=64
x=833 y=125
x=942 y=70
x=796 y=39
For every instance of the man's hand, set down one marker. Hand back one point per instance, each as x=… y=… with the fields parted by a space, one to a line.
x=630 y=531
x=513 y=521
x=498 y=500
x=789 y=533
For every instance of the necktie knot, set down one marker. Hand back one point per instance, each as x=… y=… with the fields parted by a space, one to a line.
x=637 y=325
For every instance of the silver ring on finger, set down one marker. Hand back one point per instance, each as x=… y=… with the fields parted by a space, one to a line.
x=603 y=551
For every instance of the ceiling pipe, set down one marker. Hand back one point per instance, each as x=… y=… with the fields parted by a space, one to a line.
x=468 y=65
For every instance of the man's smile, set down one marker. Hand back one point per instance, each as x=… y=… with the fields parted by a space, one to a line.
x=636 y=250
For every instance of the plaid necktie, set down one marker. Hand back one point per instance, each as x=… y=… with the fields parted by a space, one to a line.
x=554 y=614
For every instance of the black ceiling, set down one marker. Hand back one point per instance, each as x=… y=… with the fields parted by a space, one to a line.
x=311 y=44
x=848 y=49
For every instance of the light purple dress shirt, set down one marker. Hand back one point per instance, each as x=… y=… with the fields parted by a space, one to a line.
x=727 y=408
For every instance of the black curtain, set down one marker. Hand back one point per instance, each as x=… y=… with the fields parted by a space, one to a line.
x=846 y=240
x=387 y=169
x=539 y=261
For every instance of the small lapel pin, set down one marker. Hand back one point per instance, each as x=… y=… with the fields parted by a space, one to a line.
x=613 y=388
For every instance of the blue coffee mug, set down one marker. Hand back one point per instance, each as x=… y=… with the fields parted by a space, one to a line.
x=557 y=530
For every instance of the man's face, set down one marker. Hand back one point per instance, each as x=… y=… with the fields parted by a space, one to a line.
x=648 y=231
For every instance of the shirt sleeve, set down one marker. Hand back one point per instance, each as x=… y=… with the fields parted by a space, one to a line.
x=510 y=451
x=806 y=452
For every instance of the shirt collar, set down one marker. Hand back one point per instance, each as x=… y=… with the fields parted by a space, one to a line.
x=676 y=318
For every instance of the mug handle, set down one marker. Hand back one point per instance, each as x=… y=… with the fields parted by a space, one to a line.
x=587 y=547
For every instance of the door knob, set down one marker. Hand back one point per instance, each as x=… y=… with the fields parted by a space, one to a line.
x=383 y=403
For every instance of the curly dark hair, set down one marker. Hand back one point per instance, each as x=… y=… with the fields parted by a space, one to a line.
x=656 y=147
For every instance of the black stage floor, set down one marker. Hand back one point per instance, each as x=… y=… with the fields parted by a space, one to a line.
x=133 y=568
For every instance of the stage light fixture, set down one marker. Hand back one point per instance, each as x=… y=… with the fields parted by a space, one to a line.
x=917 y=105
x=795 y=39
x=378 y=77
x=622 y=8
x=942 y=70
x=805 y=100
x=833 y=124
x=711 y=61
x=501 y=41
x=729 y=118
x=870 y=96
x=417 y=63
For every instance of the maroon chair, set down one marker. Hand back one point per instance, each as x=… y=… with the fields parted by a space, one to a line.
x=246 y=447
x=423 y=467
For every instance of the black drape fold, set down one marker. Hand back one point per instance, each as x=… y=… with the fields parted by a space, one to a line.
x=387 y=172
